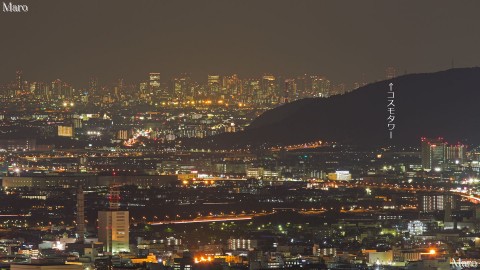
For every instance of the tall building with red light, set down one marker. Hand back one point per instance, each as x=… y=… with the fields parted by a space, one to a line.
x=114 y=225
x=433 y=153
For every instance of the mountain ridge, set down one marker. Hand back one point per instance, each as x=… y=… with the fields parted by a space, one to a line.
x=443 y=103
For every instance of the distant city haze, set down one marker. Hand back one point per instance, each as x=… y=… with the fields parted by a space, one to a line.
x=347 y=41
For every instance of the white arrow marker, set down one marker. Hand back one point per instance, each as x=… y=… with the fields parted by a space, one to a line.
x=391 y=87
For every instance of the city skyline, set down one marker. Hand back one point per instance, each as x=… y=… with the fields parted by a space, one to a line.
x=11 y=77
x=277 y=88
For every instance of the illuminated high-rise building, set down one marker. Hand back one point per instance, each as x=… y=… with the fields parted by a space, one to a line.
x=92 y=86
x=320 y=86
x=290 y=91
x=33 y=87
x=39 y=90
x=325 y=88
x=143 y=88
x=251 y=88
x=154 y=87
x=114 y=225
x=302 y=86
x=182 y=87
x=113 y=230
x=213 y=84
x=61 y=90
x=154 y=82
x=19 y=81
x=233 y=85
x=433 y=153
x=455 y=153
x=57 y=86
x=268 y=89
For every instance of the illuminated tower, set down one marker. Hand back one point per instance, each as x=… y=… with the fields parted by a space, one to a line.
x=288 y=90
x=93 y=84
x=268 y=89
x=320 y=86
x=250 y=89
x=455 y=153
x=155 y=88
x=433 y=153
x=291 y=86
x=19 y=83
x=57 y=88
x=181 y=86
x=154 y=82
x=302 y=85
x=114 y=225
x=213 y=85
x=232 y=84
x=143 y=87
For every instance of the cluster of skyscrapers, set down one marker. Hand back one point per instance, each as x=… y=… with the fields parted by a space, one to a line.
x=265 y=90
x=437 y=154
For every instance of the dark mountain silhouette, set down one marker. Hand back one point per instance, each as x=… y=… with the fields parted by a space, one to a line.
x=442 y=104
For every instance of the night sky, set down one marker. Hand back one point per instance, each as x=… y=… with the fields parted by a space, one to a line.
x=345 y=40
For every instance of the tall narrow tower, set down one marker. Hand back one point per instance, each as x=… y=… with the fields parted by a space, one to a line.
x=80 y=215
x=19 y=81
x=286 y=94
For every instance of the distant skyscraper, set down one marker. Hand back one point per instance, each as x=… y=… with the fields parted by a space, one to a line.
x=325 y=88
x=232 y=85
x=302 y=85
x=92 y=86
x=57 y=90
x=40 y=90
x=19 y=81
x=320 y=86
x=433 y=153
x=290 y=90
x=390 y=73
x=181 y=86
x=250 y=87
x=268 y=89
x=143 y=87
x=213 y=85
x=154 y=82
x=118 y=89
x=155 y=89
